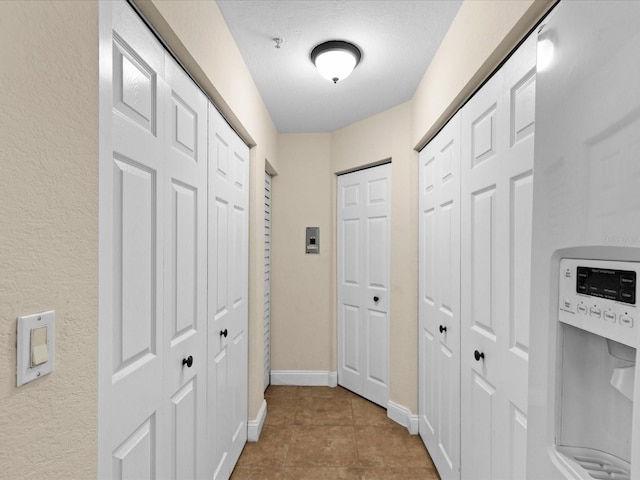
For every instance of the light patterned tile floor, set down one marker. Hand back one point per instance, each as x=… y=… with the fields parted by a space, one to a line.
x=317 y=433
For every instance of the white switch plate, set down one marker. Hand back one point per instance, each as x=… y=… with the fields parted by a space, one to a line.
x=25 y=372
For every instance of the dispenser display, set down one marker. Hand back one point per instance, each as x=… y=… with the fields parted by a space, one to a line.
x=618 y=285
x=599 y=296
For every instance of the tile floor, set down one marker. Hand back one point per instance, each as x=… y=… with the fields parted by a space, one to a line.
x=315 y=433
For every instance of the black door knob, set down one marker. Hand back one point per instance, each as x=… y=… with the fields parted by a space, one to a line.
x=375 y=299
x=188 y=361
x=443 y=329
x=478 y=355
x=223 y=333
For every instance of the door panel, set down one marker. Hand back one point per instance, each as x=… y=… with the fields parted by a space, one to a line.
x=517 y=175
x=439 y=299
x=185 y=281
x=135 y=458
x=228 y=288
x=496 y=256
x=131 y=177
x=185 y=418
x=479 y=463
x=363 y=273
x=483 y=261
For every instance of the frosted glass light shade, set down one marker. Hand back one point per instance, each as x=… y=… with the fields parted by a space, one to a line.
x=335 y=60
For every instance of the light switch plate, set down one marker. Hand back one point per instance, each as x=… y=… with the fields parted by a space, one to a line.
x=26 y=324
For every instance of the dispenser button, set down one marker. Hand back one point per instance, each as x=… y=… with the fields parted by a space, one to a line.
x=567 y=273
x=626 y=320
x=567 y=304
x=595 y=312
x=582 y=308
x=610 y=316
x=628 y=280
x=628 y=296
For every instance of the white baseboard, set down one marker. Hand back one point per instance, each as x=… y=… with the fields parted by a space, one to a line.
x=254 y=427
x=304 y=378
x=403 y=416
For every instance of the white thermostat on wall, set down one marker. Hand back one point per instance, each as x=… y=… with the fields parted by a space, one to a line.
x=36 y=342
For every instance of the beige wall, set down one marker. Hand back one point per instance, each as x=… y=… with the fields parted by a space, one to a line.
x=49 y=232
x=482 y=34
x=301 y=285
x=197 y=33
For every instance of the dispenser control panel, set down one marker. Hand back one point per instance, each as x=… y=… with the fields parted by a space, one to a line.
x=600 y=296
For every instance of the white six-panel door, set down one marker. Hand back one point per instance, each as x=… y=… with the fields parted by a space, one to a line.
x=132 y=443
x=364 y=221
x=439 y=303
x=497 y=175
x=185 y=273
x=228 y=290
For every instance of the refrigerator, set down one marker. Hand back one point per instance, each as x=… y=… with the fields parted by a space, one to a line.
x=584 y=403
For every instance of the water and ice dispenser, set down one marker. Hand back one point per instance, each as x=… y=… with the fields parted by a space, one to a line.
x=597 y=340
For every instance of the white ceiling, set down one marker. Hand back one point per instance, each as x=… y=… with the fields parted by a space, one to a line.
x=398 y=39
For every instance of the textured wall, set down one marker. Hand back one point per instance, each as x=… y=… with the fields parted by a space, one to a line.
x=302 y=337
x=48 y=232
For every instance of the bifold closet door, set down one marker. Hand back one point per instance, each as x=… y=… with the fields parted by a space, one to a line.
x=228 y=290
x=439 y=303
x=132 y=175
x=364 y=222
x=497 y=175
x=152 y=416
x=185 y=274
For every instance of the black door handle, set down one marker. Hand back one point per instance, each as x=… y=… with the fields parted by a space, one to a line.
x=375 y=299
x=443 y=329
x=188 y=361
x=223 y=333
x=478 y=355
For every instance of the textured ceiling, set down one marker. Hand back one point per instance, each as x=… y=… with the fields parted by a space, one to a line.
x=398 y=39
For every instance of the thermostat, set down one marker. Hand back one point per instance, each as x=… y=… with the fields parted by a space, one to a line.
x=312 y=241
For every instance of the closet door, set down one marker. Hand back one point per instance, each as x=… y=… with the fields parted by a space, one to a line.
x=132 y=442
x=364 y=222
x=185 y=274
x=228 y=289
x=267 y=279
x=483 y=287
x=517 y=177
x=439 y=304
x=497 y=163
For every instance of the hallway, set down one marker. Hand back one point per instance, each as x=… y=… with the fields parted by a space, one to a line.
x=330 y=433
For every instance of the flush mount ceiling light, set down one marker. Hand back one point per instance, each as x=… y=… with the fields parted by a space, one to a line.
x=336 y=59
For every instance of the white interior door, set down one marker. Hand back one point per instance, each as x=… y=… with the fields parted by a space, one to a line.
x=267 y=279
x=439 y=304
x=482 y=286
x=185 y=274
x=364 y=220
x=228 y=290
x=517 y=178
x=497 y=174
x=132 y=441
